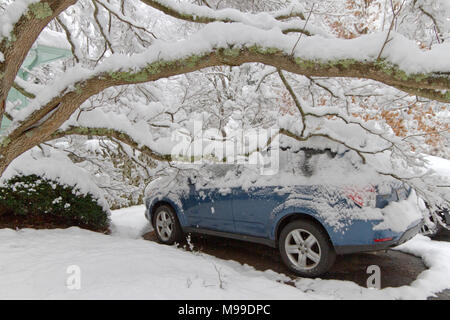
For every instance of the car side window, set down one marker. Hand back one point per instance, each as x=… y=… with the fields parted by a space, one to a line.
x=210 y=175
x=221 y=170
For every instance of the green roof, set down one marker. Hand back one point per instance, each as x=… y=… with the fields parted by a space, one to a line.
x=38 y=55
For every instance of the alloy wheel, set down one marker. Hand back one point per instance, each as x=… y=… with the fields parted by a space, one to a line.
x=164 y=225
x=302 y=249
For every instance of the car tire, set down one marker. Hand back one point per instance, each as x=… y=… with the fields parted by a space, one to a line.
x=166 y=225
x=306 y=249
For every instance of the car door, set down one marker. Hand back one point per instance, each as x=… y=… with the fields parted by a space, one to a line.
x=252 y=208
x=210 y=207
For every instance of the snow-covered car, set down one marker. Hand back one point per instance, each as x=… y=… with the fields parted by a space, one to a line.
x=320 y=203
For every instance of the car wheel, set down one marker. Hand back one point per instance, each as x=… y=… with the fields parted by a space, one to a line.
x=167 y=227
x=306 y=249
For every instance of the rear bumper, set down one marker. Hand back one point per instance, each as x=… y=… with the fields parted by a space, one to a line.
x=408 y=234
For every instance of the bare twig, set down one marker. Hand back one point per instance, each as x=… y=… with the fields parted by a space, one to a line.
x=304 y=27
x=391 y=27
x=102 y=32
x=111 y=11
x=436 y=27
x=69 y=38
x=23 y=91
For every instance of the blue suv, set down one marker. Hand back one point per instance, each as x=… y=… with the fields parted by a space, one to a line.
x=308 y=217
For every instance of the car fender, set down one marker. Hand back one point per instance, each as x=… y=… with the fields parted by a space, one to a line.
x=173 y=200
x=301 y=207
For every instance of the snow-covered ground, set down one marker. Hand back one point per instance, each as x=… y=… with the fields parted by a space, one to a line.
x=37 y=264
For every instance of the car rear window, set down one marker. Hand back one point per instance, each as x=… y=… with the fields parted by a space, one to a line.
x=219 y=170
x=304 y=161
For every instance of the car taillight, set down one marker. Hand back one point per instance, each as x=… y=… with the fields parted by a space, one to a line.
x=383 y=239
x=366 y=197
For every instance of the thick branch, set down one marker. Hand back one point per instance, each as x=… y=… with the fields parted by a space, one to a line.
x=43 y=122
x=112 y=134
x=269 y=56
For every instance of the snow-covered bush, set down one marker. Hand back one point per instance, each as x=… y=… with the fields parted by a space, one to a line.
x=45 y=182
x=33 y=195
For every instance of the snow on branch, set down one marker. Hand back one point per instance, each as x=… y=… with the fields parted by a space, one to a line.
x=265 y=20
x=204 y=14
x=113 y=135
